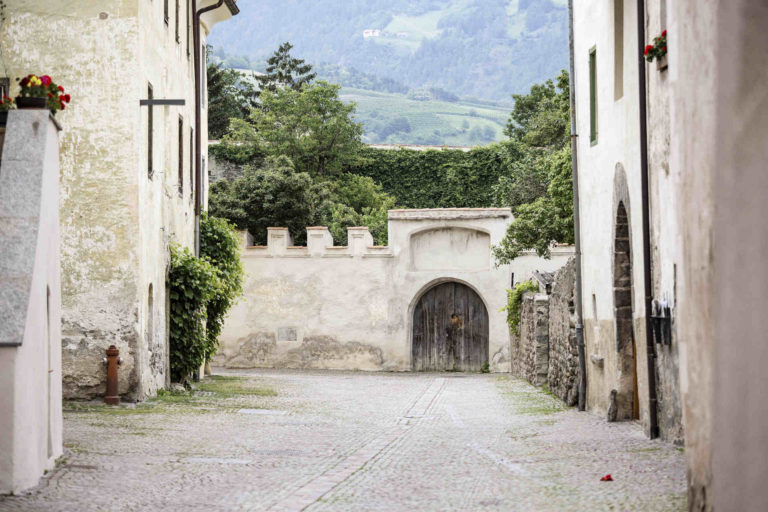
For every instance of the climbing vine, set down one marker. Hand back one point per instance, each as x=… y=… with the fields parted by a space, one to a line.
x=220 y=245
x=192 y=282
x=514 y=301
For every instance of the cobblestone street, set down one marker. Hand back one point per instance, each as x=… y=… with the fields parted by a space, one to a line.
x=286 y=440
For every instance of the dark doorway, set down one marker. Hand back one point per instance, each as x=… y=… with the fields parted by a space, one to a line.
x=450 y=330
x=628 y=405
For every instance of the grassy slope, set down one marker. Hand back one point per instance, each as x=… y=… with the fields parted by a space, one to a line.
x=432 y=122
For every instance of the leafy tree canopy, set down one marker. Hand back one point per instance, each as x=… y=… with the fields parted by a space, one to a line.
x=230 y=94
x=541 y=118
x=311 y=126
x=283 y=70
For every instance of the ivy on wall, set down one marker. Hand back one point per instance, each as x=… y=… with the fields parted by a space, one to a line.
x=191 y=284
x=220 y=245
x=514 y=301
x=436 y=179
x=202 y=290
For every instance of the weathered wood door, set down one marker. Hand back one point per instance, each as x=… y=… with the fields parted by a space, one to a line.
x=450 y=330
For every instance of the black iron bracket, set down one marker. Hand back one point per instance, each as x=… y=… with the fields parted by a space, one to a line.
x=158 y=102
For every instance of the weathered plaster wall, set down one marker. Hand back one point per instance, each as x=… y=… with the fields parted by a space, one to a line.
x=116 y=221
x=30 y=305
x=719 y=118
x=665 y=231
x=350 y=307
x=609 y=173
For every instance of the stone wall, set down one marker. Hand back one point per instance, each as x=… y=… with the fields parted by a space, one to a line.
x=545 y=352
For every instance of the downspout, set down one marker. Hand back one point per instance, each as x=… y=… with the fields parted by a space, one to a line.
x=647 y=280
x=198 y=112
x=576 y=220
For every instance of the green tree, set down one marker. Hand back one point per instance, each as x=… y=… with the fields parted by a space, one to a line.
x=230 y=95
x=546 y=220
x=311 y=126
x=273 y=195
x=541 y=117
x=283 y=71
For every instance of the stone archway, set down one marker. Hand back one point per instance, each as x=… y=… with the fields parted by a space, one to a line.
x=627 y=403
x=450 y=329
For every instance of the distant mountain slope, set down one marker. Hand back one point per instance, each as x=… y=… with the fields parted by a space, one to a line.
x=487 y=49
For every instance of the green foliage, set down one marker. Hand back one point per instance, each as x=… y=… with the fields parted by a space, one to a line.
x=220 y=245
x=237 y=153
x=546 y=220
x=541 y=118
x=192 y=282
x=359 y=201
x=275 y=195
x=285 y=71
x=437 y=179
x=514 y=301
x=230 y=95
x=311 y=126
x=486 y=368
x=539 y=126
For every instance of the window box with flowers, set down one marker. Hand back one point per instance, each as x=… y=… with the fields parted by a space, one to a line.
x=658 y=51
x=41 y=92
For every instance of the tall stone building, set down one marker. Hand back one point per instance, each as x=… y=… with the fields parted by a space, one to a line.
x=702 y=133
x=132 y=171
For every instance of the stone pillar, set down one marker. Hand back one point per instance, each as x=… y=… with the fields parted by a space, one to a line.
x=318 y=238
x=278 y=240
x=359 y=239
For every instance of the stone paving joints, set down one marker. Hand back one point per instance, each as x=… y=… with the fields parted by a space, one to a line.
x=356 y=441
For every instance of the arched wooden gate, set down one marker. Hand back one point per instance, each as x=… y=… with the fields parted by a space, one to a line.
x=450 y=329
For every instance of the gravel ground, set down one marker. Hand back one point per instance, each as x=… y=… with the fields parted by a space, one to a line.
x=288 y=440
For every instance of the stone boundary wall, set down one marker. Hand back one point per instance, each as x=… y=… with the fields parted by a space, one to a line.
x=545 y=351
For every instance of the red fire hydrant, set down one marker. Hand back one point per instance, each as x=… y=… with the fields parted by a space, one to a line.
x=112 y=360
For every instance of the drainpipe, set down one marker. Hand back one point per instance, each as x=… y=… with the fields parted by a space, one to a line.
x=576 y=221
x=198 y=112
x=647 y=280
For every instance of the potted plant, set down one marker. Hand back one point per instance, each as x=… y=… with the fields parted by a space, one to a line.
x=657 y=51
x=41 y=92
x=6 y=104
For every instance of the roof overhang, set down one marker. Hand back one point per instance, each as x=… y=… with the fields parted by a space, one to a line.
x=225 y=11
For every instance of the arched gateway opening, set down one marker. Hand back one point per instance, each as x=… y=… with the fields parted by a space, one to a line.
x=450 y=329
x=627 y=396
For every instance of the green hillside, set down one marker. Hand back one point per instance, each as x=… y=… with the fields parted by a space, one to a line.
x=488 y=49
x=396 y=119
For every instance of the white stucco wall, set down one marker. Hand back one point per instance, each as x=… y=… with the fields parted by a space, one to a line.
x=116 y=222
x=30 y=305
x=351 y=307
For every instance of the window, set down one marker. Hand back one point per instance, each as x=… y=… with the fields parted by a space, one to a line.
x=189 y=25
x=150 y=134
x=618 y=49
x=5 y=86
x=593 y=95
x=178 y=36
x=165 y=11
x=191 y=162
x=181 y=156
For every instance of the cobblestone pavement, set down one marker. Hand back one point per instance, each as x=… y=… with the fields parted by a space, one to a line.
x=286 y=440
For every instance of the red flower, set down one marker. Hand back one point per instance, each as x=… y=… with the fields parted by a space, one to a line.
x=664 y=34
x=63 y=107
x=46 y=80
x=607 y=478
x=66 y=98
x=61 y=88
x=647 y=49
x=665 y=48
x=50 y=95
